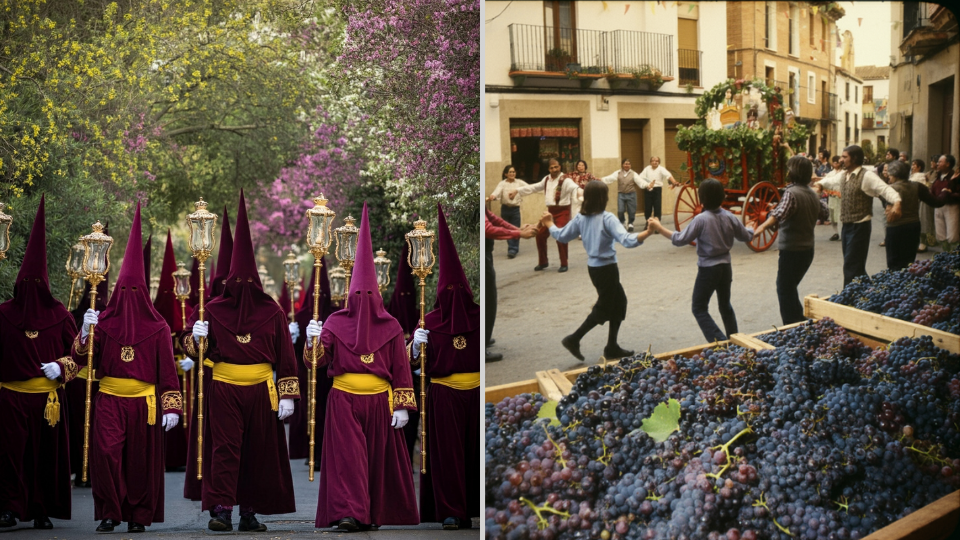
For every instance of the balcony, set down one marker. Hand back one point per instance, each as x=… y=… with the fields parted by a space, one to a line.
x=690 y=66
x=542 y=51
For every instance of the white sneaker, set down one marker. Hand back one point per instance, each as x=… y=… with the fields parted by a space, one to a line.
x=630 y=227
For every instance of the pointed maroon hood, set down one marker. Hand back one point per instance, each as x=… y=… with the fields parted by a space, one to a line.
x=404 y=305
x=33 y=307
x=130 y=317
x=147 y=257
x=364 y=326
x=218 y=274
x=243 y=307
x=166 y=302
x=454 y=311
x=285 y=300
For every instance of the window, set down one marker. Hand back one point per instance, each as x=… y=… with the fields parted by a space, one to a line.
x=867 y=94
x=846 y=128
x=811 y=88
x=793 y=83
x=812 y=27
x=770 y=75
x=856 y=130
x=560 y=33
x=881 y=140
x=856 y=94
x=847 y=93
x=794 y=44
x=770 y=26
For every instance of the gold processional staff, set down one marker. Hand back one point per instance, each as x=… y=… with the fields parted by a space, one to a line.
x=181 y=290
x=421 y=260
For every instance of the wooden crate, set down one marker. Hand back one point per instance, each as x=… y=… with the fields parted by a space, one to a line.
x=874 y=324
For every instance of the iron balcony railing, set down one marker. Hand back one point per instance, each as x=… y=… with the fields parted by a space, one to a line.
x=689 y=61
x=544 y=48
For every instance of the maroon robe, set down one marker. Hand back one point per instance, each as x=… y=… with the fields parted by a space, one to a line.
x=126 y=454
x=365 y=472
x=168 y=306
x=405 y=307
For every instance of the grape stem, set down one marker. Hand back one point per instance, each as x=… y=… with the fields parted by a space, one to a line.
x=726 y=450
x=542 y=522
x=556 y=447
x=763 y=502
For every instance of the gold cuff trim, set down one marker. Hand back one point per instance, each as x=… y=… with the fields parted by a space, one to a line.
x=70 y=368
x=288 y=386
x=172 y=400
x=190 y=345
x=404 y=398
x=308 y=353
x=413 y=361
x=79 y=346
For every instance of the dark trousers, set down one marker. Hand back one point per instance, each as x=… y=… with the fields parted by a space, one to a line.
x=490 y=292
x=561 y=215
x=627 y=207
x=902 y=243
x=855 y=242
x=712 y=279
x=651 y=203
x=793 y=266
x=511 y=214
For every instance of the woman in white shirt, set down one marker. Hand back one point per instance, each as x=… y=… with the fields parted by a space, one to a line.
x=509 y=208
x=652 y=179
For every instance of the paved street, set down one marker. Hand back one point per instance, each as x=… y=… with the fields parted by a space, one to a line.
x=537 y=309
x=183 y=519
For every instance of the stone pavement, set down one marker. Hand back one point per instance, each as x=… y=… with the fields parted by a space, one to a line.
x=537 y=309
x=183 y=519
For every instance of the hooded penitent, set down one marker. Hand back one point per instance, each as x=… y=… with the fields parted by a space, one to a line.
x=218 y=275
x=147 y=257
x=166 y=303
x=130 y=317
x=32 y=306
x=454 y=311
x=284 y=301
x=404 y=305
x=243 y=307
x=364 y=325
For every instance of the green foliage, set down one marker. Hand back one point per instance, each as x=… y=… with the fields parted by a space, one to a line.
x=869 y=156
x=755 y=144
x=715 y=95
x=881 y=151
x=664 y=420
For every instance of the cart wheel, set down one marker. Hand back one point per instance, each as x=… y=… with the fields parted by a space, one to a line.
x=760 y=200
x=687 y=207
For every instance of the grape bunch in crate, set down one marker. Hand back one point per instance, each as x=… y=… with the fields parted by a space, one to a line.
x=743 y=138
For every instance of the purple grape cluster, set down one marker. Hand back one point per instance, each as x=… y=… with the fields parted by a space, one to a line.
x=819 y=438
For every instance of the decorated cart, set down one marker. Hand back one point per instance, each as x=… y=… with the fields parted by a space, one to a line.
x=743 y=139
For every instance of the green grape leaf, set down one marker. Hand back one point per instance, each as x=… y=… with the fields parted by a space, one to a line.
x=549 y=411
x=664 y=421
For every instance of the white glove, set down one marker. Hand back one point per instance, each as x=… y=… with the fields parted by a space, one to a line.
x=313 y=331
x=51 y=370
x=286 y=409
x=170 y=421
x=200 y=330
x=400 y=418
x=294 y=331
x=186 y=364
x=90 y=317
x=419 y=338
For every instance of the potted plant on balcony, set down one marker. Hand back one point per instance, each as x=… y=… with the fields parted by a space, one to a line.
x=647 y=78
x=557 y=59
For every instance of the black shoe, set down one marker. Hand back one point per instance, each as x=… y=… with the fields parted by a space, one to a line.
x=451 y=524
x=493 y=357
x=107 y=525
x=250 y=523
x=348 y=524
x=511 y=255
x=572 y=344
x=835 y=237
x=134 y=527
x=372 y=527
x=8 y=519
x=491 y=342
x=615 y=353
x=222 y=521
x=562 y=269
x=540 y=267
x=42 y=523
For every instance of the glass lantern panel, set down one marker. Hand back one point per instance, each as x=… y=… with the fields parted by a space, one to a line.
x=96 y=260
x=4 y=232
x=316 y=231
x=292 y=272
x=76 y=258
x=327 y=237
x=415 y=249
x=208 y=234
x=182 y=286
x=428 y=254
x=196 y=236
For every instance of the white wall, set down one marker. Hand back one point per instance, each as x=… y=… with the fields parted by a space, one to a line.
x=855 y=108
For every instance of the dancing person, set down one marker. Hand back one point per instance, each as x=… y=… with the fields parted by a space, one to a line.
x=858 y=187
x=36 y=332
x=599 y=229
x=582 y=177
x=796 y=216
x=833 y=199
x=192 y=486
x=450 y=490
x=559 y=193
x=496 y=229
x=947 y=217
x=652 y=179
x=627 y=181
x=248 y=341
x=367 y=481
x=509 y=207
x=714 y=230
x=133 y=359
x=903 y=235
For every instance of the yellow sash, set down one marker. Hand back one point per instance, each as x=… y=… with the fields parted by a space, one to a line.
x=132 y=388
x=208 y=363
x=40 y=385
x=247 y=376
x=83 y=374
x=459 y=381
x=364 y=384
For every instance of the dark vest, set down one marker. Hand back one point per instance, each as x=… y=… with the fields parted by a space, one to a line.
x=909 y=202
x=796 y=233
x=854 y=203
